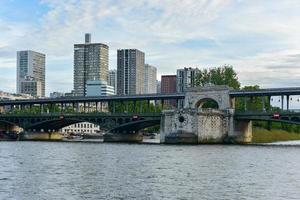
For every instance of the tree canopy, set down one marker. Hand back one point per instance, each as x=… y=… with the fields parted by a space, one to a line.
x=224 y=75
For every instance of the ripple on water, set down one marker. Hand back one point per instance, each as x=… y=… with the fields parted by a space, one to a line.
x=41 y=170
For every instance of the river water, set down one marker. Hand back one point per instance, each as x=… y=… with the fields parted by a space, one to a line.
x=59 y=170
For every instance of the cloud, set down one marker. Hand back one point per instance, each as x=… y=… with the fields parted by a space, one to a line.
x=260 y=39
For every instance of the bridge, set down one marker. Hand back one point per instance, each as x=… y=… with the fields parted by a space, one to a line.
x=125 y=115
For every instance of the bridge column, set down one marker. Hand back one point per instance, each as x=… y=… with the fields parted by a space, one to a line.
x=162 y=104
x=30 y=107
x=41 y=108
x=114 y=106
x=141 y=106
x=134 y=105
x=282 y=98
x=269 y=101
x=245 y=103
x=263 y=101
x=287 y=102
x=127 y=106
x=77 y=108
x=148 y=105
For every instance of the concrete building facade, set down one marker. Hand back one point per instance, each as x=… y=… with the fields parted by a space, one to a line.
x=186 y=78
x=150 y=79
x=112 y=79
x=31 y=87
x=82 y=128
x=90 y=63
x=57 y=94
x=98 y=88
x=130 y=72
x=31 y=65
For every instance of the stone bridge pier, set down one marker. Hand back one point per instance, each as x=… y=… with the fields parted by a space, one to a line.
x=195 y=124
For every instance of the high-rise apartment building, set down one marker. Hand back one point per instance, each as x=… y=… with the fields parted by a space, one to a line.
x=130 y=72
x=150 y=79
x=90 y=63
x=168 y=84
x=112 y=79
x=186 y=78
x=31 y=71
x=158 y=86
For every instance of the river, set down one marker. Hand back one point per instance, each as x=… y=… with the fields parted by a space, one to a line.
x=59 y=170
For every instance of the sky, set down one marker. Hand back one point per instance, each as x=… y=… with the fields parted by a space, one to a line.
x=260 y=39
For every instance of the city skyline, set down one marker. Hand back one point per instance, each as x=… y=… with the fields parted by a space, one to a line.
x=260 y=39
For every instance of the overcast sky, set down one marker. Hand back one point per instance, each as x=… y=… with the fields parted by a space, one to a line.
x=261 y=39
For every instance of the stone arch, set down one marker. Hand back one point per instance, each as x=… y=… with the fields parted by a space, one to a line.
x=210 y=102
x=219 y=94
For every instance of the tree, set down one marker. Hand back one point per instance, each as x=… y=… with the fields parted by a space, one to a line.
x=224 y=75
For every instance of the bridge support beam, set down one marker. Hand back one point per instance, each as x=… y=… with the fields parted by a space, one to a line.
x=242 y=132
x=193 y=126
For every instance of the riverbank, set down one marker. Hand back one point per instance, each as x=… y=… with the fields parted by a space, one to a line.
x=265 y=136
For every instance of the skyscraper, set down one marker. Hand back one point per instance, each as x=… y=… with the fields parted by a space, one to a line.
x=130 y=72
x=90 y=63
x=150 y=79
x=112 y=79
x=186 y=78
x=31 y=73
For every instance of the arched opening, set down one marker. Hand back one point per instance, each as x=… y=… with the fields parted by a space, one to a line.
x=82 y=129
x=207 y=103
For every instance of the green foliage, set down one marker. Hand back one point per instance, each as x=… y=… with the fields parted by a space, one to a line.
x=210 y=104
x=224 y=75
x=261 y=135
x=253 y=103
x=135 y=107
